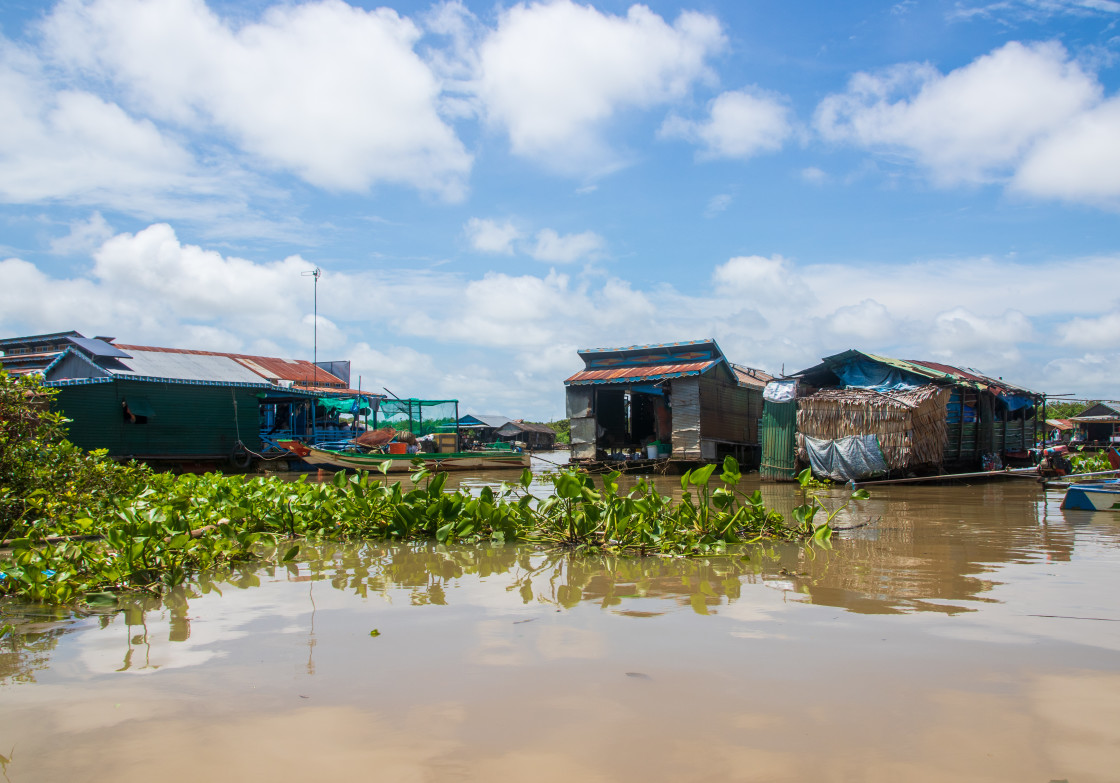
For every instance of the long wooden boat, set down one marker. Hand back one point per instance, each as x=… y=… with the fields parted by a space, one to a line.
x=337 y=459
x=1093 y=497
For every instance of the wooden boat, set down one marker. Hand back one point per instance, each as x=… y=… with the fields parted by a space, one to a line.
x=343 y=459
x=1104 y=496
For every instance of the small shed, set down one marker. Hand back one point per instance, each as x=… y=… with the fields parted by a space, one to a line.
x=1098 y=425
x=1059 y=430
x=538 y=437
x=476 y=428
x=686 y=397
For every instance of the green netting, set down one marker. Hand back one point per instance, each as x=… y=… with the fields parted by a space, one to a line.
x=420 y=417
x=345 y=405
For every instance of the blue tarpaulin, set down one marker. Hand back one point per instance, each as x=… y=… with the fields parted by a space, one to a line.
x=866 y=374
x=1014 y=402
x=846 y=459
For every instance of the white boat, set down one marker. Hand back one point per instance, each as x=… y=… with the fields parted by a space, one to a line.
x=1104 y=496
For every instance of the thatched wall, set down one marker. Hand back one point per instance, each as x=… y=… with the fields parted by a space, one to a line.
x=910 y=425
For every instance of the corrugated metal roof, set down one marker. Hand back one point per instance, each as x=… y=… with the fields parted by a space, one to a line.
x=487 y=419
x=270 y=367
x=185 y=366
x=750 y=376
x=925 y=369
x=647 y=373
x=96 y=347
x=652 y=346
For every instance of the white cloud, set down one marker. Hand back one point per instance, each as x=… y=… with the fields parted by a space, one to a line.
x=960 y=332
x=1034 y=10
x=814 y=175
x=740 y=124
x=330 y=92
x=551 y=246
x=490 y=236
x=554 y=74
x=867 y=321
x=971 y=125
x=1080 y=161
x=717 y=204
x=71 y=145
x=1098 y=332
x=85 y=236
x=757 y=276
x=504 y=342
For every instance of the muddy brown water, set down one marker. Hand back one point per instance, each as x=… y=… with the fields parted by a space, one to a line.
x=964 y=633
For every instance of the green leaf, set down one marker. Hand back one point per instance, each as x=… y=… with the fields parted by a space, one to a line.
x=290 y=554
x=375 y=632
x=861 y=494
x=701 y=476
x=526 y=478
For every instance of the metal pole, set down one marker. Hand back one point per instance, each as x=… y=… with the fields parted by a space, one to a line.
x=315 y=273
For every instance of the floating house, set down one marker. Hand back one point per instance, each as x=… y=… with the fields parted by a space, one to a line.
x=857 y=415
x=537 y=437
x=686 y=400
x=477 y=428
x=1098 y=425
x=176 y=406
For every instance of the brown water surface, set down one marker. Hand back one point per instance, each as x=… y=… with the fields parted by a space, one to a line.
x=951 y=633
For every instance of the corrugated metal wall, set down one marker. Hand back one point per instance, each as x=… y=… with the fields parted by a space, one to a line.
x=686 y=418
x=779 y=446
x=188 y=420
x=583 y=438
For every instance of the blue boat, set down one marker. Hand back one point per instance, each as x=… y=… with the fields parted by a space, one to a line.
x=1104 y=496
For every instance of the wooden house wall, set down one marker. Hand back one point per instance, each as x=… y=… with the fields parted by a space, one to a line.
x=189 y=421
x=968 y=441
x=729 y=412
x=686 y=418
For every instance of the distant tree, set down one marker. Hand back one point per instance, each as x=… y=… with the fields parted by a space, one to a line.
x=1060 y=409
x=563 y=430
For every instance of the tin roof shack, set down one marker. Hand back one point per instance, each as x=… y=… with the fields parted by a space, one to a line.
x=479 y=428
x=683 y=395
x=538 y=437
x=1098 y=425
x=860 y=415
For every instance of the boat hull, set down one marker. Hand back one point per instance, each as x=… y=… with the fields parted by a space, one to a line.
x=402 y=463
x=1090 y=498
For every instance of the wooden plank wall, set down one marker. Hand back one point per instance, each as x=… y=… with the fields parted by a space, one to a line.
x=729 y=412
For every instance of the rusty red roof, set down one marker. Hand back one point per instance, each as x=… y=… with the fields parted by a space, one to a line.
x=298 y=371
x=649 y=372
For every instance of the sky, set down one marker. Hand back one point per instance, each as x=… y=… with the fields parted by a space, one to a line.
x=489 y=187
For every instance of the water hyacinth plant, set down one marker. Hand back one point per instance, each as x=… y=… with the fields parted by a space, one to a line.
x=133 y=529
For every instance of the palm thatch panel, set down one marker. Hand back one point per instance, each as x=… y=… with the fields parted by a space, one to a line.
x=910 y=425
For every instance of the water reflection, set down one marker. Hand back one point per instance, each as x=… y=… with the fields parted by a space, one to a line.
x=979 y=619
x=943 y=550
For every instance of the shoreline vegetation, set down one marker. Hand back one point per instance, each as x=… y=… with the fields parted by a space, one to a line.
x=78 y=526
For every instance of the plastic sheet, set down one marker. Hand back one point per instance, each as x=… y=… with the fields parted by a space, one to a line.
x=864 y=374
x=853 y=458
x=780 y=391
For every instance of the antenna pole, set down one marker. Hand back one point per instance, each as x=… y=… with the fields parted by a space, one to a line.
x=315 y=273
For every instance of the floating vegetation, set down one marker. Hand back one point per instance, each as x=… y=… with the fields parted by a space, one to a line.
x=159 y=529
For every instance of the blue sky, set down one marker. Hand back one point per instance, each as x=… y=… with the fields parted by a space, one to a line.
x=488 y=187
